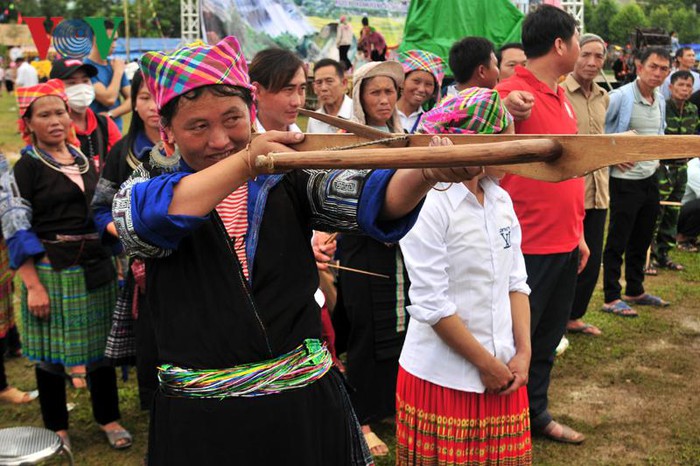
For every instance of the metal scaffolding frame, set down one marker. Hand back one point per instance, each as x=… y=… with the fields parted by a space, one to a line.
x=574 y=7
x=189 y=20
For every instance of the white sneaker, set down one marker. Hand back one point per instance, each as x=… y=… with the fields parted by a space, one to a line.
x=563 y=346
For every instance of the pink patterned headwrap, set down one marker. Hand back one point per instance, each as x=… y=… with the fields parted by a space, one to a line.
x=420 y=60
x=473 y=110
x=196 y=65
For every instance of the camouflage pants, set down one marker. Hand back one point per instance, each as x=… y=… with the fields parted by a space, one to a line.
x=672 y=180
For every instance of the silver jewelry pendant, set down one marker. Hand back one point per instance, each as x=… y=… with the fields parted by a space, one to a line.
x=163 y=161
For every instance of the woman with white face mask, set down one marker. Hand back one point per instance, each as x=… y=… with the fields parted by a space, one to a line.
x=96 y=133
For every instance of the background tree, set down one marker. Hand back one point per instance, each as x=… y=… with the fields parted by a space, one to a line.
x=685 y=22
x=660 y=17
x=602 y=15
x=623 y=24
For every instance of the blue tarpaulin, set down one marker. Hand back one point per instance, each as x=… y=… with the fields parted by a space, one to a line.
x=140 y=45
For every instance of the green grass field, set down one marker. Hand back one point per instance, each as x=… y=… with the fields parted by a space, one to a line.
x=633 y=391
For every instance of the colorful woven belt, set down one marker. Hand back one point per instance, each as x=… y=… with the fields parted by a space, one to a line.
x=298 y=368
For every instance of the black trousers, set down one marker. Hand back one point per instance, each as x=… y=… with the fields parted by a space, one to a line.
x=552 y=279
x=594 y=231
x=343 y=53
x=634 y=206
x=102 y=382
x=13 y=342
x=376 y=56
x=689 y=219
x=3 y=377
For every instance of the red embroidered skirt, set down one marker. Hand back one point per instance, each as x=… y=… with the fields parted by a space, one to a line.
x=441 y=426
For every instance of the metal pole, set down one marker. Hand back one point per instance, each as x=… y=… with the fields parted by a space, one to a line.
x=126 y=28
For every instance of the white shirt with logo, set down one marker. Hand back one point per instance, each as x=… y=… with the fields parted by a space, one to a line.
x=465 y=259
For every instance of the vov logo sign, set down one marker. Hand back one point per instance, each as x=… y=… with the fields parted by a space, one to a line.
x=72 y=38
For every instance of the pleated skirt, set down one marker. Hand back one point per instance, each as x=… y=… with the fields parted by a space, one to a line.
x=441 y=426
x=75 y=333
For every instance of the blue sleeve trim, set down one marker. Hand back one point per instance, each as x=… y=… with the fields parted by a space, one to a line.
x=24 y=244
x=150 y=201
x=102 y=216
x=371 y=203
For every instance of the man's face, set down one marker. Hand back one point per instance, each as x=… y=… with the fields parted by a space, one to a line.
x=570 y=53
x=510 y=58
x=687 y=61
x=328 y=86
x=653 y=71
x=590 y=61
x=282 y=107
x=490 y=73
x=681 y=89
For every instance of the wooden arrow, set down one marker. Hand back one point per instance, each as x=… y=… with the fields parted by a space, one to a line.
x=355 y=128
x=580 y=154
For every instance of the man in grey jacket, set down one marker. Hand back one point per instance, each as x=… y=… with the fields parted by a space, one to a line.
x=634 y=191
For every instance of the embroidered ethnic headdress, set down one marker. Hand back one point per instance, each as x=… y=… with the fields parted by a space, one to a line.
x=420 y=60
x=473 y=110
x=193 y=66
x=26 y=96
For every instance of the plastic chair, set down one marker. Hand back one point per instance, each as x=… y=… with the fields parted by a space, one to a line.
x=20 y=446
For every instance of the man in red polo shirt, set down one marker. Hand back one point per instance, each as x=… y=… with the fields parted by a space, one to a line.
x=551 y=214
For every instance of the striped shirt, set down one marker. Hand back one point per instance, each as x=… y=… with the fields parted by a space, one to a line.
x=234 y=214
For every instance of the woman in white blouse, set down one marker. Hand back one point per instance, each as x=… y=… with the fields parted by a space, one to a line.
x=461 y=395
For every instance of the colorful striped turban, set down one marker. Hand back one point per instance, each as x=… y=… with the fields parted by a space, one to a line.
x=473 y=110
x=420 y=60
x=196 y=65
x=27 y=95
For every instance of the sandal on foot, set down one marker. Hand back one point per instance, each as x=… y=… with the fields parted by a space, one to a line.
x=620 y=308
x=373 y=442
x=15 y=396
x=565 y=435
x=65 y=440
x=78 y=380
x=669 y=264
x=686 y=246
x=115 y=435
x=650 y=270
x=586 y=329
x=648 y=300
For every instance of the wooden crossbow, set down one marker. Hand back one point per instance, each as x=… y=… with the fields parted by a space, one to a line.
x=548 y=157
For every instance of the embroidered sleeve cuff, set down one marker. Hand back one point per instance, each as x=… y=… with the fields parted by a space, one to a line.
x=24 y=244
x=150 y=201
x=371 y=203
x=432 y=315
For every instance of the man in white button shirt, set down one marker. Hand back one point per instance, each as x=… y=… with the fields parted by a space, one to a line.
x=330 y=86
x=280 y=77
x=26 y=74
